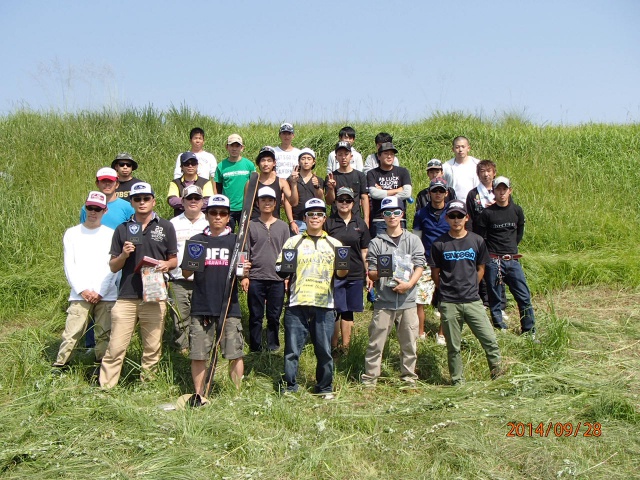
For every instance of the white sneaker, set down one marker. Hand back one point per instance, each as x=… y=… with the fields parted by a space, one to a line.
x=328 y=396
x=505 y=317
x=437 y=314
x=440 y=340
x=422 y=336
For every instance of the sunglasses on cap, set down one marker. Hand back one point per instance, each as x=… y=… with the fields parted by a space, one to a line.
x=140 y=198
x=217 y=213
x=315 y=214
x=125 y=164
x=344 y=200
x=93 y=208
x=455 y=215
x=392 y=213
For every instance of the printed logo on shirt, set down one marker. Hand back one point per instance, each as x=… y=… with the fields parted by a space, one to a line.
x=389 y=183
x=158 y=234
x=217 y=256
x=456 y=255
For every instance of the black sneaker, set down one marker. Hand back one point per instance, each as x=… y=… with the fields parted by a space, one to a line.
x=195 y=401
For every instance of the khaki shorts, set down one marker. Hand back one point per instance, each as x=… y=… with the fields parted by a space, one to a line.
x=425 y=288
x=201 y=338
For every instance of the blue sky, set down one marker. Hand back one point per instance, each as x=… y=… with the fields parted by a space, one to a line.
x=564 y=62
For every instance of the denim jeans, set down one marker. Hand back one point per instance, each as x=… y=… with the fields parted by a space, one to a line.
x=299 y=322
x=513 y=277
x=302 y=227
x=260 y=292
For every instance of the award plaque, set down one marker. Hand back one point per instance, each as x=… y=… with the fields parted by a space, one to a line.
x=385 y=265
x=342 y=258
x=195 y=253
x=289 y=260
x=134 y=233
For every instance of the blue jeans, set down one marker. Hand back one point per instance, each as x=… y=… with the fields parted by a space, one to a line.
x=302 y=227
x=299 y=322
x=513 y=277
x=271 y=293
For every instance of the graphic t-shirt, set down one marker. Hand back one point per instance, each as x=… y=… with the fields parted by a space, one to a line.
x=286 y=161
x=233 y=176
x=397 y=177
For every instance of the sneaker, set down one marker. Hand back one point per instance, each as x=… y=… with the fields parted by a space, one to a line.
x=328 y=396
x=422 y=336
x=58 y=370
x=440 y=340
x=505 y=317
x=437 y=314
x=530 y=336
x=497 y=372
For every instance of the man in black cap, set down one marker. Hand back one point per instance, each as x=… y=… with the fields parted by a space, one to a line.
x=387 y=180
x=124 y=164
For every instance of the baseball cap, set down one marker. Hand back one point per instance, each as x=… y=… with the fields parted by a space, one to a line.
x=307 y=151
x=234 y=138
x=266 y=192
x=186 y=156
x=286 y=127
x=141 y=188
x=504 y=180
x=218 y=201
x=457 y=206
x=389 y=203
x=438 y=182
x=434 y=163
x=107 y=173
x=345 y=191
x=266 y=151
x=314 y=204
x=340 y=145
x=192 y=190
x=97 y=199
x=125 y=156
x=387 y=146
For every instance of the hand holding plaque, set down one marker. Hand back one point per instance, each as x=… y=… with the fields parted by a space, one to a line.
x=289 y=260
x=385 y=266
x=134 y=233
x=194 y=256
x=343 y=260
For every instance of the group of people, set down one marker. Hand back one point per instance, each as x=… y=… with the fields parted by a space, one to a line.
x=345 y=234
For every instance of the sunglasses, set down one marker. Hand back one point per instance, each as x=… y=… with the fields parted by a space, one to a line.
x=145 y=199
x=190 y=163
x=124 y=164
x=218 y=213
x=315 y=214
x=93 y=208
x=456 y=216
x=344 y=200
x=438 y=190
x=194 y=197
x=392 y=213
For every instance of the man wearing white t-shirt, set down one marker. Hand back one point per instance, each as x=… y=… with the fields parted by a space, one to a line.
x=460 y=172
x=93 y=285
x=188 y=224
x=286 y=154
x=207 y=163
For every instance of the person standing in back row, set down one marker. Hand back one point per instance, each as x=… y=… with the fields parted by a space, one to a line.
x=346 y=134
x=286 y=154
x=460 y=171
x=309 y=186
x=207 y=163
x=125 y=165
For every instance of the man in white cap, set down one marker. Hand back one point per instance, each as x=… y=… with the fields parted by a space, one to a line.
x=264 y=287
x=118 y=210
x=402 y=252
x=93 y=284
x=207 y=309
x=156 y=239
x=189 y=223
x=310 y=303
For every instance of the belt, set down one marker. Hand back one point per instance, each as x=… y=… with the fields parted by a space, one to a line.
x=506 y=257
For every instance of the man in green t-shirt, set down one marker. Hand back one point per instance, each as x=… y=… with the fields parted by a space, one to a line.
x=231 y=176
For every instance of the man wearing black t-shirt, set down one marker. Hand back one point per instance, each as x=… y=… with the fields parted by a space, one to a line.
x=387 y=180
x=346 y=176
x=502 y=226
x=157 y=241
x=208 y=305
x=125 y=165
x=459 y=259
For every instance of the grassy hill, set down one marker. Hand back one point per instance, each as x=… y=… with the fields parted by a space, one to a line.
x=577 y=185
